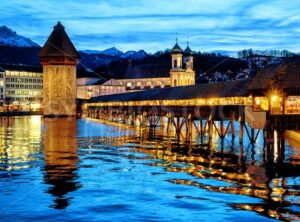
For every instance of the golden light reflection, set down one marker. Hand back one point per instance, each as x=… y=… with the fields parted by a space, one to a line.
x=61 y=158
x=20 y=139
x=240 y=178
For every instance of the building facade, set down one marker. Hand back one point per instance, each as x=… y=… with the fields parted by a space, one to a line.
x=21 y=87
x=149 y=76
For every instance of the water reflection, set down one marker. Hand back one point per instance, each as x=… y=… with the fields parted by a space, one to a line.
x=60 y=149
x=141 y=174
x=20 y=140
x=268 y=173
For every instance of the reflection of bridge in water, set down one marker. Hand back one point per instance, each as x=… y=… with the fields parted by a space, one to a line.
x=222 y=169
x=204 y=109
x=255 y=114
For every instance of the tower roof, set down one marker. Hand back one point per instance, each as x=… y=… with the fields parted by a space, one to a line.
x=176 y=48
x=59 y=45
x=188 y=51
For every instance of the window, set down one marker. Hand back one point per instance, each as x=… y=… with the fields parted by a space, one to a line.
x=175 y=63
x=139 y=85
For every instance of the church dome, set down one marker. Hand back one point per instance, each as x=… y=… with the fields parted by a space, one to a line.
x=176 y=49
x=188 y=51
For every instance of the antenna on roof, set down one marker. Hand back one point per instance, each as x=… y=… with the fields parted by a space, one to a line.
x=187 y=40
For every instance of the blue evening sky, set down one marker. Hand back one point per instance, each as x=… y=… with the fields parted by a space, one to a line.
x=152 y=24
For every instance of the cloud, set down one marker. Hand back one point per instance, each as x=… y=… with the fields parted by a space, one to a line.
x=151 y=25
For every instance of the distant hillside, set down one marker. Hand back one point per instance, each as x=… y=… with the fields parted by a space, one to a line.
x=111 y=63
x=19 y=55
x=8 y=37
x=203 y=63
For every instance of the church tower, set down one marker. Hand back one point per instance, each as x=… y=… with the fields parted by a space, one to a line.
x=59 y=59
x=189 y=65
x=180 y=75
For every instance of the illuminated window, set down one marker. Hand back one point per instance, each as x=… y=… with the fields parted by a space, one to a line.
x=292 y=105
x=276 y=104
x=139 y=85
x=148 y=84
x=261 y=104
x=129 y=85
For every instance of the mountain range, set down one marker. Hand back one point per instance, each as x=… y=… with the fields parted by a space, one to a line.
x=8 y=37
x=17 y=49
x=111 y=62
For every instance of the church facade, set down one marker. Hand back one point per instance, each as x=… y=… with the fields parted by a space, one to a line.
x=143 y=77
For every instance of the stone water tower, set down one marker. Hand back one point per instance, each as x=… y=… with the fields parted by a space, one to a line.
x=59 y=59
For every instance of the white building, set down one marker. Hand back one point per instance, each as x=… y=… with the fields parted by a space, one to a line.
x=22 y=87
x=142 y=77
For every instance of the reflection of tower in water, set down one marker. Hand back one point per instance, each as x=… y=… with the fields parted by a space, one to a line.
x=60 y=147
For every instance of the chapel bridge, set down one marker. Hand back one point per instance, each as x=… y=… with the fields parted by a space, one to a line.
x=269 y=101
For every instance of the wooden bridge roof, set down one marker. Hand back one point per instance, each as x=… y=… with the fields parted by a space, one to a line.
x=237 y=88
x=280 y=77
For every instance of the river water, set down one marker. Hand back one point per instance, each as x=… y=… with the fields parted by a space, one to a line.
x=83 y=170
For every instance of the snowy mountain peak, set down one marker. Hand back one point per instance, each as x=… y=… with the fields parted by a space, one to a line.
x=112 y=52
x=135 y=55
x=117 y=53
x=11 y=38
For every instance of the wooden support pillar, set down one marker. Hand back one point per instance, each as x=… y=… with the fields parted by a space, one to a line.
x=178 y=125
x=242 y=123
x=222 y=129
x=132 y=119
x=189 y=127
x=169 y=123
x=141 y=120
x=210 y=128
x=282 y=148
x=201 y=128
x=196 y=127
x=232 y=129
x=241 y=154
x=252 y=136
x=162 y=122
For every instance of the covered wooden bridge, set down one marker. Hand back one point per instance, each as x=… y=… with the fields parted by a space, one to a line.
x=269 y=101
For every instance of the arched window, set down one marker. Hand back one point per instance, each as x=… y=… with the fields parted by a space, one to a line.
x=175 y=82
x=128 y=85
x=139 y=85
x=175 y=63
x=148 y=84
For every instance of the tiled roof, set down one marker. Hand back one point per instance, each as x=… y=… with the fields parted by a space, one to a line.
x=176 y=49
x=284 y=76
x=59 y=44
x=188 y=51
x=223 y=89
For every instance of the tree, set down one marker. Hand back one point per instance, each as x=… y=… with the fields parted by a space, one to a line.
x=29 y=100
x=8 y=101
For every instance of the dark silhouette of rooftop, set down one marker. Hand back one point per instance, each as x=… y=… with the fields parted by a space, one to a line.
x=59 y=45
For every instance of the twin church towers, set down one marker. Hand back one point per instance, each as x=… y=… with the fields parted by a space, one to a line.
x=59 y=59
